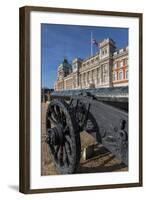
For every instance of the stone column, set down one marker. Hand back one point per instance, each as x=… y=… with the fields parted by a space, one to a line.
x=94 y=76
x=99 y=76
x=86 y=79
x=65 y=84
x=83 y=79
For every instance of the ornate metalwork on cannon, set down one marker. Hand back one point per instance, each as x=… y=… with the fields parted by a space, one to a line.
x=103 y=113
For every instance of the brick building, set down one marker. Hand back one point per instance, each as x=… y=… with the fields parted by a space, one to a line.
x=107 y=68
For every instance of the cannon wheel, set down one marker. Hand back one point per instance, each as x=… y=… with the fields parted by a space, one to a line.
x=63 y=137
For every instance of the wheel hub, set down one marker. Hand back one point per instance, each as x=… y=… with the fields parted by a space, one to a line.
x=55 y=135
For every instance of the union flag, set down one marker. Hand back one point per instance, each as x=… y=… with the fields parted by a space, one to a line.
x=95 y=42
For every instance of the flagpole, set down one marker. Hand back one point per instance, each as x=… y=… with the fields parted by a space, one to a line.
x=91 y=44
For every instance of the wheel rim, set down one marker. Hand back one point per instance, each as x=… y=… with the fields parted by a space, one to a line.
x=63 y=137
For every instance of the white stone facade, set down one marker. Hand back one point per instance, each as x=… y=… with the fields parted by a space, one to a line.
x=108 y=68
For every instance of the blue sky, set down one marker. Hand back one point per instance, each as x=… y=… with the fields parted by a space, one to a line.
x=70 y=41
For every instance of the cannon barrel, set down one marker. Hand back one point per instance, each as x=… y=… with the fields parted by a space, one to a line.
x=115 y=96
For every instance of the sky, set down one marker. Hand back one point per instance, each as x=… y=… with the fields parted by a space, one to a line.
x=71 y=41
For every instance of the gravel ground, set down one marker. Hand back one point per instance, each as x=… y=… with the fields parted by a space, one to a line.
x=101 y=161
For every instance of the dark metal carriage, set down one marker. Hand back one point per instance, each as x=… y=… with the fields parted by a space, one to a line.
x=102 y=112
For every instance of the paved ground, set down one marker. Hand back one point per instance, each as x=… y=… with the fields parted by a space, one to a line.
x=101 y=161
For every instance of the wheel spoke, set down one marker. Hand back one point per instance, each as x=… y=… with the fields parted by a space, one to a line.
x=68 y=148
x=53 y=114
x=59 y=155
x=68 y=152
x=52 y=120
x=65 y=158
x=51 y=117
x=62 y=117
x=57 y=111
x=68 y=139
x=56 y=151
x=65 y=128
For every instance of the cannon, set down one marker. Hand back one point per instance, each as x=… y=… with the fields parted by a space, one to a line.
x=103 y=113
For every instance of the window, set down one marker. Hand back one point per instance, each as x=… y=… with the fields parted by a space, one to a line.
x=115 y=65
x=74 y=66
x=104 y=51
x=92 y=72
x=87 y=76
x=126 y=62
x=114 y=76
x=121 y=64
x=126 y=74
x=98 y=75
x=120 y=75
x=104 y=68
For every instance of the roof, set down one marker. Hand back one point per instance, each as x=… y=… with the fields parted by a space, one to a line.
x=65 y=64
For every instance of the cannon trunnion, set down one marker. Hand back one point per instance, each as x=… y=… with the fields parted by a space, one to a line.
x=65 y=119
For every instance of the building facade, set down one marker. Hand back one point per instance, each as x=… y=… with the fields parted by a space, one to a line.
x=108 y=68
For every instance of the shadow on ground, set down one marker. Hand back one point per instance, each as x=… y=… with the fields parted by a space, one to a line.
x=102 y=161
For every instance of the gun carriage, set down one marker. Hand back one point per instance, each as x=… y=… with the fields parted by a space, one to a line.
x=102 y=112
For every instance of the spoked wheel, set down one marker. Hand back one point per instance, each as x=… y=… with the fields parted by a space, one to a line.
x=63 y=137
